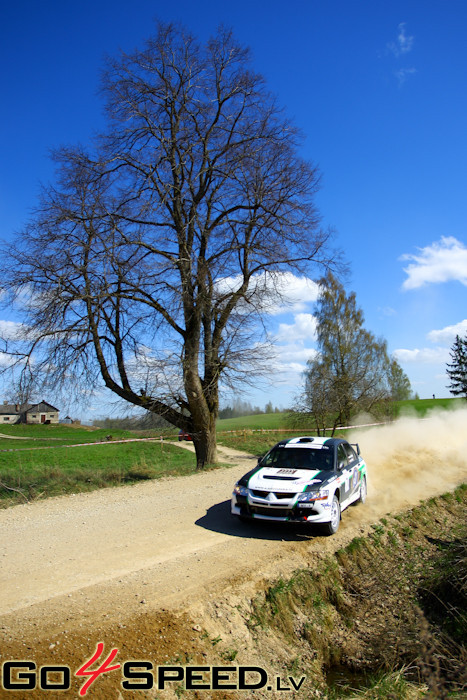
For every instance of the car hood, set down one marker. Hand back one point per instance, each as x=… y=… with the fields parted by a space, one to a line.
x=285 y=480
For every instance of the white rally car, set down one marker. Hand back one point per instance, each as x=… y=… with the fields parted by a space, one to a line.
x=304 y=479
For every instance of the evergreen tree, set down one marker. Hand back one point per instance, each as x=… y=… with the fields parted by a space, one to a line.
x=457 y=369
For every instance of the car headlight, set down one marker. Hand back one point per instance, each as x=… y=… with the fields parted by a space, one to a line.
x=240 y=490
x=313 y=496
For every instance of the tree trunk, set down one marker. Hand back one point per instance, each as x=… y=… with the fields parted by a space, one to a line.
x=205 y=445
x=203 y=406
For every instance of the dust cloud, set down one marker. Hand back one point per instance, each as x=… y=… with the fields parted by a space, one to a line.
x=413 y=459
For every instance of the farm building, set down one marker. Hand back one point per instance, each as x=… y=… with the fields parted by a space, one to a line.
x=41 y=412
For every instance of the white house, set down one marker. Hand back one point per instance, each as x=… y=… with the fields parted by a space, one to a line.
x=41 y=412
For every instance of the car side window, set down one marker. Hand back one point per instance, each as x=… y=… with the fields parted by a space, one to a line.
x=351 y=454
x=342 y=459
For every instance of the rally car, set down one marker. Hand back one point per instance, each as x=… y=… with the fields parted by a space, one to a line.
x=304 y=479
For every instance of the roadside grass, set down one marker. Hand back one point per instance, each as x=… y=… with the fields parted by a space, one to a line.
x=30 y=474
x=385 y=616
x=383 y=686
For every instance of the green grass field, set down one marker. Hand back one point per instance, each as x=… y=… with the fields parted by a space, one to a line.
x=277 y=421
x=27 y=473
x=250 y=433
x=422 y=406
x=261 y=421
x=43 y=435
x=255 y=443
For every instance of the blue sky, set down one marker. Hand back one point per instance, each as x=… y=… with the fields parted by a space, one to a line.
x=379 y=91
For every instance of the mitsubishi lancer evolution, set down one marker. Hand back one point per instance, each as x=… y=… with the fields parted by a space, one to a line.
x=304 y=479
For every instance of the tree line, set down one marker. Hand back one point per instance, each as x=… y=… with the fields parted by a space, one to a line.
x=244 y=408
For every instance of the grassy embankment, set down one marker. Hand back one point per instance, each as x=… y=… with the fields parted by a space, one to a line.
x=386 y=615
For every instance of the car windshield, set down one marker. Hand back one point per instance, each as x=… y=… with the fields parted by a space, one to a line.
x=299 y=458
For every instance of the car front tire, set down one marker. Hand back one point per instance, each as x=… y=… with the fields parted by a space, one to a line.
x=331 y=527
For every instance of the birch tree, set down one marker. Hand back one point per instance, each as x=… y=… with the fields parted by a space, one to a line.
x=352 y=371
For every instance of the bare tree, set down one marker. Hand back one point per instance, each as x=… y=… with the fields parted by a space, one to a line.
x=149 y=262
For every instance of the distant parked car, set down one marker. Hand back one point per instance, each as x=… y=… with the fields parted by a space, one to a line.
x=183 y=435
x=304 y=479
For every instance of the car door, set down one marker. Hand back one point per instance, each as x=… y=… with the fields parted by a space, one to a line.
x=344 y=472
x=353 y=463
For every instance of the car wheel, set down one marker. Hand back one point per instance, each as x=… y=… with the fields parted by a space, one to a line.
x=363 y=491
x=331 y=527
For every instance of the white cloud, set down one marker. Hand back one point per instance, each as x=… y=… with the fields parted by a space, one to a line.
x=438 y=355
x=404 y=74
x=291 y=345
x=298 y=293
x=424 y=356
x=285 y=291
x=403 y=43
x=10 y=330
x=6 y=360
x=439 y=262
x=303 y=328
x=292 y=355
x=287 y=370
x=446 y=336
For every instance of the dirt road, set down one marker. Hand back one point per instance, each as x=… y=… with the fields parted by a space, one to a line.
x=75 y=561
x=61 y=545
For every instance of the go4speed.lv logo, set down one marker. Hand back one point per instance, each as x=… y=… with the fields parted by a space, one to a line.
x=140 y=675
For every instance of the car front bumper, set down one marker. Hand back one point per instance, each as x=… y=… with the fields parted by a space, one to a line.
x=259 y=509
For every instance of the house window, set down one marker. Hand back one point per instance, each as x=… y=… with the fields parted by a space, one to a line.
x=52 y=415
x=6 y=417
x=34 y=416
